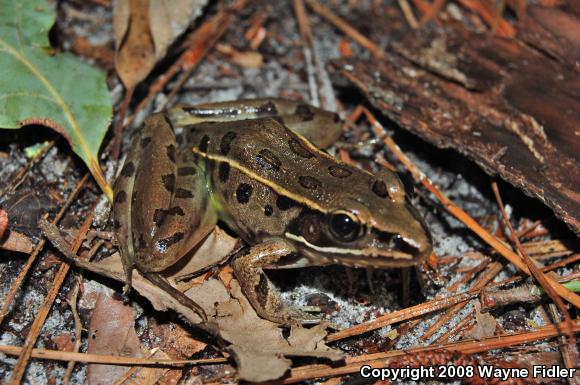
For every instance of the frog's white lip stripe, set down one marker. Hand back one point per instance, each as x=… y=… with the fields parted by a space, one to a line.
x=369 y=251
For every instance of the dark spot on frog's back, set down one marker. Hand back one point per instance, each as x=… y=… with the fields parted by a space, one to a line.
x=145 y=141
x=268 y=160
x=304 y=111
x=309 y=182
x=128 y=170
x=380 y=188
x=226 y=142
x=244 y=192
x=183 y=193
x=297 y=148
x=339 y=172
x=171 y=152
x=168 y=182
x=159 y=216
x=163 y=244
x=203 y=143
x=116 y=224
x=120 y=197
x=284 y=203
x=186 y=171
x=224 y=171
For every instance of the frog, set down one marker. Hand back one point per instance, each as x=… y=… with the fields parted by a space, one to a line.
x=258 y=167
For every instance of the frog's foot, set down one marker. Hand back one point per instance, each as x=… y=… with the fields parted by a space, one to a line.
x=126 y=291
x=301 y=317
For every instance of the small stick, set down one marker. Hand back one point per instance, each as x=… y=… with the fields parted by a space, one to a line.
x=90 y=358
x=32 y=258
x=432 y=12
x=24 y=358
x=408 y=14
x=345 y=27
x=382 y=359
x=538 y=274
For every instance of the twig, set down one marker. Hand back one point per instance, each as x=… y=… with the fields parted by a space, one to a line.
x=492 y=271
x=24 y=272
x=17 y=179
x=22 y=363
x=89 y=358
x=381 y=360
x=408 y=14
x=537 y=273
x=199 y=42
x=306 y=35
x=78 y=329
x=121 y=380
x=403 y=315
x=432 y=12
x=342 y=25
x=460 y=214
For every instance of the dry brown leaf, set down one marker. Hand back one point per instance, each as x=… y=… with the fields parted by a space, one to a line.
x=111 y=332
x=14 y=241
x=144 y=30
x=485 y=324
x=257 y=345
x=149 y=375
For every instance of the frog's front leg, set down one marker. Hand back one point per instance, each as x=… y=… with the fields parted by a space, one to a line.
x=249 y=267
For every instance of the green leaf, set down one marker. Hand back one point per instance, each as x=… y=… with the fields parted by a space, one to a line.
x=57 y=91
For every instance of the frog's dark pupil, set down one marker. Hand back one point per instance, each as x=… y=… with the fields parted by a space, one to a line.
x=344 y=227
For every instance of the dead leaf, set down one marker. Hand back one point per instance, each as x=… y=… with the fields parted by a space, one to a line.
x=149 y=375
x=64 y=342
x=485 y=324
x=176 y=341
x=258 y=346
x=111 y=332
x=144 y=30
x=14 y=241
x=133 y=41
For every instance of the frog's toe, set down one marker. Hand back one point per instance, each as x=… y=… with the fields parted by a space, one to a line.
x=126 y=291
x=297 y=316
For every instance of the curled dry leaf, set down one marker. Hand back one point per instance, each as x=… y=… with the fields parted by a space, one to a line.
x=144 y=30
x=15 y=241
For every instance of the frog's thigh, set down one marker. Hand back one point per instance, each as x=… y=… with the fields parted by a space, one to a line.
x=180 y=226
x=122 y=191
x=319 y=126
x=261 y=293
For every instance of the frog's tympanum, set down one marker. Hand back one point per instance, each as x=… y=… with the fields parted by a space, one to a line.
x=256 y=166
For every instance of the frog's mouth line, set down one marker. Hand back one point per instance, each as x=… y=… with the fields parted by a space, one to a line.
x=370 y=256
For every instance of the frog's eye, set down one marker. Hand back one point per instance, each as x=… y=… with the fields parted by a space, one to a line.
x=345 y=226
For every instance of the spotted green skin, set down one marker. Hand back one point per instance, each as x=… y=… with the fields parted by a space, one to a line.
x=255 y=165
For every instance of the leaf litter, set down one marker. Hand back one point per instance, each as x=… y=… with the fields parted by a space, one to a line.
x=452 y=247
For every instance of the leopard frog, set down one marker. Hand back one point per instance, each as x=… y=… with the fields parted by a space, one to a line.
x=256 y=166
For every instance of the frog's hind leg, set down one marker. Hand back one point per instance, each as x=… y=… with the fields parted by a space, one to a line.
x=122 y=192
x=318 y=126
